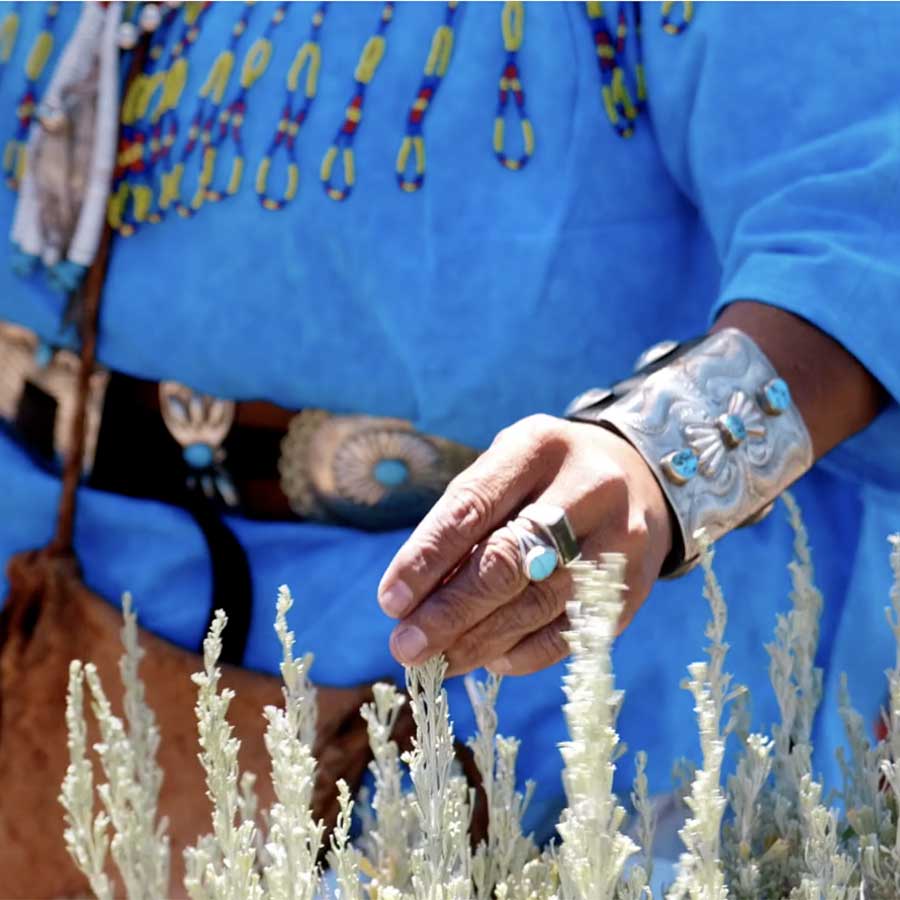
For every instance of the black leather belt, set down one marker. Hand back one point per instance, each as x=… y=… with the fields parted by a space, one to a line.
x=150 y=440
x=164 y=442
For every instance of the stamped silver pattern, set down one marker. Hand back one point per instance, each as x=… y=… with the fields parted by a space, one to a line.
x=200 y=423
x=742 y=463
x=333 y=469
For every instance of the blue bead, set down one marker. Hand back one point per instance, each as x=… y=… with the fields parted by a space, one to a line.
x=198 y=456
x=391 y=472
x=542 y=563
x=776 y=396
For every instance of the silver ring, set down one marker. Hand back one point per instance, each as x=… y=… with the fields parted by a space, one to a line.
x=552 y=522
x=539 y=558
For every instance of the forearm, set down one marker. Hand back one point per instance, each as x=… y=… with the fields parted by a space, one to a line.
x=835 y=394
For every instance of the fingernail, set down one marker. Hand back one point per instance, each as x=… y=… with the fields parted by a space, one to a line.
x=397 y=599
x=500 y=666
x=409 y=642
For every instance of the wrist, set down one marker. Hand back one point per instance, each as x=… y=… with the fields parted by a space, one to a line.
x=659 y=517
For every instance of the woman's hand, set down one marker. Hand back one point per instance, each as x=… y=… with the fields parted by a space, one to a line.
x=457 y=583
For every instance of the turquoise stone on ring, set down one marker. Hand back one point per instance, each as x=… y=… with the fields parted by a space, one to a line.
x=541 y=562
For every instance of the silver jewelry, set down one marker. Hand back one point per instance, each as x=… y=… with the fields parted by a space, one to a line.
x=200 y=423
x=719 y=430
x=552 y=522
x=538 y=557
x=26 y=360
x=365 y=471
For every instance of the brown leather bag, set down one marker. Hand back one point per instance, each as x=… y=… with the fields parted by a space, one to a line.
x=50 y=618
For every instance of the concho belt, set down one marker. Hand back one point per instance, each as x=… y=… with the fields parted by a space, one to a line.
x=156 y=440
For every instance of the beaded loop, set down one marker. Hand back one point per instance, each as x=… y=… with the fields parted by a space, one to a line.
x=673 y=27
x=132 y=195
x=14 y=153
x=231 y=119
x=200 y=128
x=513 y=25
x=342 y=145
x=413 y=144
x=308 y=59
x=620 y=109
x=150 y=124
x=164 y=117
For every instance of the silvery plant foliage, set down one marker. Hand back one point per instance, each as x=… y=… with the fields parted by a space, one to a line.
x=766 y=830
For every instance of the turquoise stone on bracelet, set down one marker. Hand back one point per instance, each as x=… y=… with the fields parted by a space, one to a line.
x=680 y=466
x=541 y=563
x=775 y=397
x=733 y=429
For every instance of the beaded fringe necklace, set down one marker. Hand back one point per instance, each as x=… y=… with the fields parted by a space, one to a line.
x=150 y=176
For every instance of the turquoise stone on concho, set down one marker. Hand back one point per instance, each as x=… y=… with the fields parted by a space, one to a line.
x=541 y=563
x=198 y=456
x=775 y=397
x=391 y=472
x=680 y=466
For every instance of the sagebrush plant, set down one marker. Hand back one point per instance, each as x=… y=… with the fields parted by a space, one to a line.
x=764 y=832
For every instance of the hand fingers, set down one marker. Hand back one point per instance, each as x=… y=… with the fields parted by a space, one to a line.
x=475 y=503
x=491 y=577
x=486 y=582
x=541 y=603
x=510 y=627
x=539 y=650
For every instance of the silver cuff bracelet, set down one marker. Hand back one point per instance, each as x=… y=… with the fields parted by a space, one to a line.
x=719 y=430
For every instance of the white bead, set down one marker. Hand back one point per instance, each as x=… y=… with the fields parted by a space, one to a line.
x=150 y=17
x=127 y=35
x=173 y=4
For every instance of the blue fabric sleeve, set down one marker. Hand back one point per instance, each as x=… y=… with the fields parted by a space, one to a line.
x=781 y=121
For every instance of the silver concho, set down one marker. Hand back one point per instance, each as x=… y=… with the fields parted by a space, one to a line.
x=369 y=472
x=56 y=373
x=194 y=418
x=200 y=423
